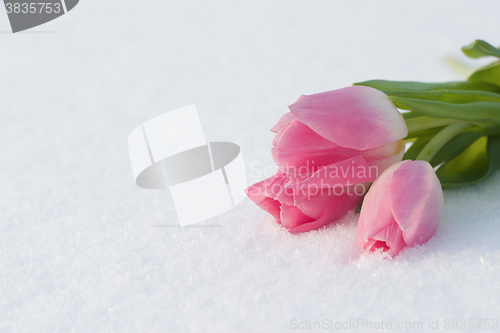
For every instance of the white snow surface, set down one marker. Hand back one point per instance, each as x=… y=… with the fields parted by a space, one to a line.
x=80 y=246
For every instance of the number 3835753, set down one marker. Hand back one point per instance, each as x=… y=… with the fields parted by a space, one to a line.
x=33 y=8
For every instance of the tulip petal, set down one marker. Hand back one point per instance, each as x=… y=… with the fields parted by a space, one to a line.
x=292 y=217
x=383 y=164
x=256 y=193
x=391 y=149
x=356 y=117
x=345 y=173
x=304 y=161
x=279 y=134
x=335 y=209
x=286 y=119
x=298 y=137
x=376 y=213
x=298 y=150
x=276 y=189
x=416 y=200
x=389 y=238
x=373 y=245
x=314 y=202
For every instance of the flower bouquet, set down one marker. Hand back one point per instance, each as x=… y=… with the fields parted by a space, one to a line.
x=346 y=148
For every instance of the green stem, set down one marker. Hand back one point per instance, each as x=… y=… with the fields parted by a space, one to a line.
x=425 y=122
x=440 y=139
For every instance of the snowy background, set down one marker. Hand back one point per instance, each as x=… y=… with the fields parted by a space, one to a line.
x=81 y=248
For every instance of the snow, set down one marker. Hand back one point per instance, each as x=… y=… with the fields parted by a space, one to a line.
x=83 y=249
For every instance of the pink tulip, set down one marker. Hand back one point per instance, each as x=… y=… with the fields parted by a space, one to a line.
x=333 y=126
x=329 y=143
x=402 y=208
x=301 y=209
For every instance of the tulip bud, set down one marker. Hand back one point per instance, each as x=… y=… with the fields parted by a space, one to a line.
x=402 y=208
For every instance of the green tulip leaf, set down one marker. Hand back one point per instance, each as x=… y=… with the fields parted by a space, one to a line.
x=416 y=147
x=425 y=132
x=489 y=74
x=455 y=146
x=474 y=164
x=476 y=111
x=426 y=122
x=490 y=131
x=480 y=48
x=411 y=114
x=448 y=96
x=494 y=153
x=385 y=85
